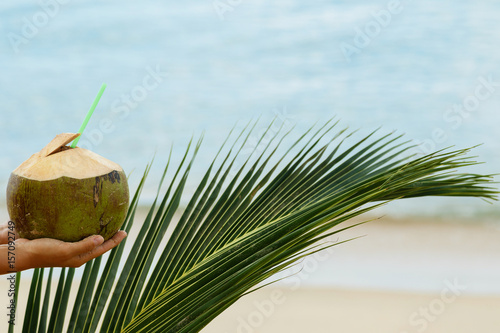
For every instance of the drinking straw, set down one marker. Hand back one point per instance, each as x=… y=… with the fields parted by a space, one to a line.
x=89 y=114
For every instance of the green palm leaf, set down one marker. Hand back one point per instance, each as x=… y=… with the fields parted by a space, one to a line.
x=244 y=224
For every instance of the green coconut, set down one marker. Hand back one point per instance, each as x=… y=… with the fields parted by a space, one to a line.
x=67 y=193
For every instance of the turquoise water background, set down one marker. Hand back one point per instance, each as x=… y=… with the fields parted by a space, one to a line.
x=175 y=69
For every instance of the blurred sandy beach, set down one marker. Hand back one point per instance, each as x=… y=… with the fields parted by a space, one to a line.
x=406 y=275
x=327 y=310
x=422 y=250
x=355 y=311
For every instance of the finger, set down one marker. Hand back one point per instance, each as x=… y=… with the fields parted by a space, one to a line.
x=21 y=240
x=7 y=234
x=103 y=248
x=83 y=246
x=9 y=227
x=4 y=232
x=113 y=241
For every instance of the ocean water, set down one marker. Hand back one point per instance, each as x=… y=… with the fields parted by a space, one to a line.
x=176 y=69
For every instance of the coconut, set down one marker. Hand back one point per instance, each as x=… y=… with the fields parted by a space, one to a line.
x=67 y=193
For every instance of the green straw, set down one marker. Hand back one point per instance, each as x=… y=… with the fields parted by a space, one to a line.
x=89 y=114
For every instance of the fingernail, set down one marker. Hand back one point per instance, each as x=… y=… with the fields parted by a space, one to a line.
x=98 y=240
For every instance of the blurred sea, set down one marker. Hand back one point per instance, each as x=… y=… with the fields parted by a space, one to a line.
x=175 y=69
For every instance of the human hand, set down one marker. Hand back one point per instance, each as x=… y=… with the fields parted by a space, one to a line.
x=47 y=252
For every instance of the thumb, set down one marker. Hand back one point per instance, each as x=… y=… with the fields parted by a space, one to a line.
x=86 y=245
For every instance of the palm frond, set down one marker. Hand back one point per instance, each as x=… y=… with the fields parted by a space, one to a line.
x=244 y=224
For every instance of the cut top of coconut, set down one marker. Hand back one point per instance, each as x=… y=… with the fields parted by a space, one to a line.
x=57 y=160
x=60 y=141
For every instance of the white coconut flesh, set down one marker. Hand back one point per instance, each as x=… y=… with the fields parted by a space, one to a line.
x=57 y=160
